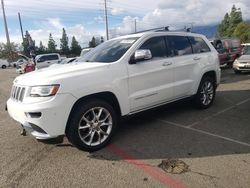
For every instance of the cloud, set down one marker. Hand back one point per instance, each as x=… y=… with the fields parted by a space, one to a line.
x=178 y=14
x=117 y=11
x=55 y=23
x=147 y=13
x=82 y=35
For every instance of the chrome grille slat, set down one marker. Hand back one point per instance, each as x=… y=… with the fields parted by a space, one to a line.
x=18 y=93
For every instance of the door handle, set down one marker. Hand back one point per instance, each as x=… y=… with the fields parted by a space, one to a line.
x=197 y=58
x=167 y=63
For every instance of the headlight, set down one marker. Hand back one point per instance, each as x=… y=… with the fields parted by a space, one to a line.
x=44 y=91
x=236 y=61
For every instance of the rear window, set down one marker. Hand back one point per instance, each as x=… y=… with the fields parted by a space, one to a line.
x=199 y=45
x=178 y=46
x=52 y=57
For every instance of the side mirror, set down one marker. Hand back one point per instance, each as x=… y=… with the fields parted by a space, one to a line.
x=39 y=60
x=140 y=55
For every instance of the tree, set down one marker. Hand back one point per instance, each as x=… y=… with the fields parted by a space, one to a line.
x=242 y=31
x=92 y=43
x=41 y=49
x=9 y=52
x=28 y=44
x=222 y=29
x=75 y=47
x=229 y=23
x=64 y=43
x=235 y=19
x=51 y=44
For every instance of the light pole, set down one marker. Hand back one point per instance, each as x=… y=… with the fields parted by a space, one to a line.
x=5 y=24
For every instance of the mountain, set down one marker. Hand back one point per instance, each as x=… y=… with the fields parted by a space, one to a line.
x=209 y=31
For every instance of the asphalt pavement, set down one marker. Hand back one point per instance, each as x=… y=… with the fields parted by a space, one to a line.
x=213 y=143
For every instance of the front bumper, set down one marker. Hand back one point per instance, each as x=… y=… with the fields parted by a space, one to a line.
x=53 y=119
x=241 y=67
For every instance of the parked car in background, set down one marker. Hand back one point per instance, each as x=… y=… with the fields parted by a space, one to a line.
x=64 y=61
x=230 y=45
x=84 y=51
x=19 y=62
x=243 y=62
x=45 y=60
x=3 y=63
x=224 y=57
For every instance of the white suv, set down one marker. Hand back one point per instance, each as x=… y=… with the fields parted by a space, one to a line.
x=120 y=77
x=45 y=60
x=3 y=63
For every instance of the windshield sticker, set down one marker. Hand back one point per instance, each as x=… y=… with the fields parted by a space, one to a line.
x=127 y=41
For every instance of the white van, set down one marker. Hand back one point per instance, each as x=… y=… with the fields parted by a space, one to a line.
x=3 y=63
x=45 y=60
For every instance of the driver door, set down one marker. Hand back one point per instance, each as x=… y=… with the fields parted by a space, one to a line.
x=151 y=81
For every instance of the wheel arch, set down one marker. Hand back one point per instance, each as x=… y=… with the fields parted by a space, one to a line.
x=107 y=96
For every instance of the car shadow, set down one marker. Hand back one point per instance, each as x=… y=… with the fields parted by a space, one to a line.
x=163 y=132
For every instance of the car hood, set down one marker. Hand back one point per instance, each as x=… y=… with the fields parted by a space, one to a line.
x=53 y=75
x=244 y=58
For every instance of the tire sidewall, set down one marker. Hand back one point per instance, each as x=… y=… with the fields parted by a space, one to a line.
x=198 y=96
x=72 y=132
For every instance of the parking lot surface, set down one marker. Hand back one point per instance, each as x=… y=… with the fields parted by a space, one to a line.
x=214 y=143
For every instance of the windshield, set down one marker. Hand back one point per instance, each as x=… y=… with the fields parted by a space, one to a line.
x=246 y=50
x=109 y=51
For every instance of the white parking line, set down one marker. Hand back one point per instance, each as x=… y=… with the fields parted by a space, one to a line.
x=242 y=102
x=220 y=112
x=205 y=132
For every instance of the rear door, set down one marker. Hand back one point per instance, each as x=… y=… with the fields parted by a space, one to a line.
x=52 y=59
x=150 y=81
x=189 y=54
x=41 y=62
x=180 y=50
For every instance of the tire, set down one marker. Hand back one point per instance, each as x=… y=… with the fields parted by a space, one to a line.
x=3 y=66
x=205 y=95
x=237 y=71
x=92 y=125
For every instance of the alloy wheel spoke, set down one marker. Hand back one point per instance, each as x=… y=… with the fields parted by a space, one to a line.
x=107 y=116
x=86 y=136
x=84 y=127
x=91 y=137
x=105 y=124
x=94 y=115
x=103 y=132
x=99 y=113
x=85 y=119
x=99 y=137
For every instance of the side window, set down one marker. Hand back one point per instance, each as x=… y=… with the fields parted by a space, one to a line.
x=44 y=58
x=156 y=45
x=178 y=46
x=199 y=45
x=52 y=57
x=41 y=59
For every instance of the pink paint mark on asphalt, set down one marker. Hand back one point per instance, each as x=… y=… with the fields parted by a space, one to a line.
x=150 y=170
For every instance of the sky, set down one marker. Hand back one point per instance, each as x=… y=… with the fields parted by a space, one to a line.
x=85 y=18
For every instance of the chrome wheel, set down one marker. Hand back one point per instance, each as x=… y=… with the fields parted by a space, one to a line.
x=207 y=93
x=95 y=126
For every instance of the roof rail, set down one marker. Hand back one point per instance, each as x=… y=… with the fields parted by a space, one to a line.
x=158 y=29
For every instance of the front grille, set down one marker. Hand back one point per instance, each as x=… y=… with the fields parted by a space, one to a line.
x=17 y=93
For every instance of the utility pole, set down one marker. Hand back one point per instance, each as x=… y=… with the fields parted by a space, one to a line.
x=5 y=24
x=135 y=26
x=106 y=19
x=21 y=26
